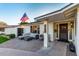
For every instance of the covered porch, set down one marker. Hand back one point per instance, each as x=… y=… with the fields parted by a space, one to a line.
x=60 y=25
x=61 y=30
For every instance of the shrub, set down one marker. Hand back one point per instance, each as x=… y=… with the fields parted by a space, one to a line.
x=23 y=23
x=11 y=35
x=3 y=38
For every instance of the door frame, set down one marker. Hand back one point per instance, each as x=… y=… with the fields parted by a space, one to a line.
x=59 y=29
x=63 y=22
x=66 y=29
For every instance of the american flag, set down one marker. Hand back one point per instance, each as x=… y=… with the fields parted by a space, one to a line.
x=24 y=18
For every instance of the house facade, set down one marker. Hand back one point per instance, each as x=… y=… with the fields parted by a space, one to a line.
x=62 y=25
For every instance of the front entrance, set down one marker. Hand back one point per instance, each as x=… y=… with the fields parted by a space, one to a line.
x=63 y=33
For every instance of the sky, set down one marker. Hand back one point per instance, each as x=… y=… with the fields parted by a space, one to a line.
x=11 y=13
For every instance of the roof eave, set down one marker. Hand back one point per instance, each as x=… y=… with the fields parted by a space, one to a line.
x=55 y=12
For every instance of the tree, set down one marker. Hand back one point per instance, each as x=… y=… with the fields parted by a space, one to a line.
x=23 y=23
x=2 y=24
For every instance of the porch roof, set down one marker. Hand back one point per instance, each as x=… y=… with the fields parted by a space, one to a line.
x=56 y=15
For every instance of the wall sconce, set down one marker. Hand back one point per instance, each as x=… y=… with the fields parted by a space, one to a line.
x=72 y=24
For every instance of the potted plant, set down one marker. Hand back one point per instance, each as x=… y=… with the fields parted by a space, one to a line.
x=71 y=46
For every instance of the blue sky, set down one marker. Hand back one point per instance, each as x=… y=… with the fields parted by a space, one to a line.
x=11 y=13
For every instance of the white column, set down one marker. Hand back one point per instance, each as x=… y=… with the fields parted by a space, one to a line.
x=45 y=35
x=77 y=32
x=51 y=31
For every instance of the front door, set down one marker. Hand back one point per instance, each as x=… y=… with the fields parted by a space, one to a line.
x=63 y=36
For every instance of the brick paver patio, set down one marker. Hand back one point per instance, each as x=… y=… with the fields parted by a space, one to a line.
x=34 y=47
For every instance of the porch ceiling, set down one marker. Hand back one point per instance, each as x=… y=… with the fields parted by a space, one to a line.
x=60 y=17
x=56 y=17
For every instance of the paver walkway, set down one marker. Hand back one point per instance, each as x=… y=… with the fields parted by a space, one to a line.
x=32 y=48
x=56 y=49
x=15 y=52
x=32 y=45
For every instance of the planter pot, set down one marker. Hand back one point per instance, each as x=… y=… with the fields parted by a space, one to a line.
x=71 y=47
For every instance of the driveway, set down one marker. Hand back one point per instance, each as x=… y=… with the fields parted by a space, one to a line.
x=32 y=45
x=15 y=52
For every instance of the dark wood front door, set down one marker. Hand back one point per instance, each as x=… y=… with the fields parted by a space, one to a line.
x=63 y=32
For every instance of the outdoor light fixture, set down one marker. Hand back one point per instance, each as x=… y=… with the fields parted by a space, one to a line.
x=72 y=24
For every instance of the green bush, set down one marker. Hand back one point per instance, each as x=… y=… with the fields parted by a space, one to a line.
x=3 y=38
x=11 y=35
x=23 y=23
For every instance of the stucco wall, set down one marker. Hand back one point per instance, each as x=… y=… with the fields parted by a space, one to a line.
x=11 y=30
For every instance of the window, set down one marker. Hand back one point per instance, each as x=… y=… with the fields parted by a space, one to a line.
x=70 y=34
x=56 y=30
x=71 y=29
x=33 y=29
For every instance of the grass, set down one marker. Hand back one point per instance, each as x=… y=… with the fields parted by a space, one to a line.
x=3 y=38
